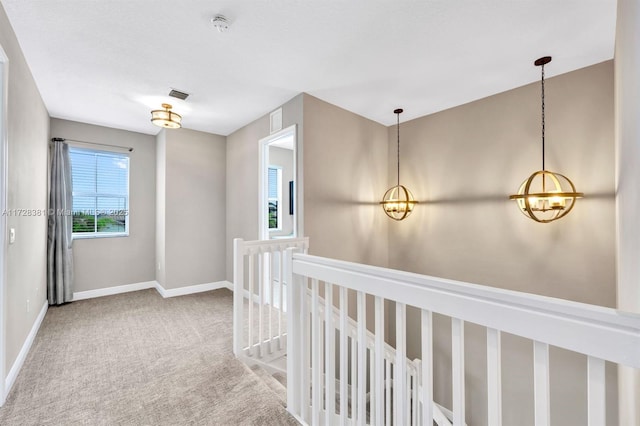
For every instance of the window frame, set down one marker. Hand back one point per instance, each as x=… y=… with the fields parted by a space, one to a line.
x=95 y=233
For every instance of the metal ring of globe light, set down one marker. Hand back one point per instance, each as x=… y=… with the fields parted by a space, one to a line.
x=398 y=201
x=546 y=205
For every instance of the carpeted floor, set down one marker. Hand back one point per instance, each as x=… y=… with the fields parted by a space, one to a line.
x=139 y=359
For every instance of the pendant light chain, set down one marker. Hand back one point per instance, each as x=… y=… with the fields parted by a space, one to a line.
x=543 y=117
x=398 y=151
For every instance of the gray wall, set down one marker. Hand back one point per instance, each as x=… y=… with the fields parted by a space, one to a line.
x=627 y=92
x=109 y=262
x=194 y=199
x=345 y=176
x=242 y=178
x=28 y=134
x=283 y=158
x=463 y=163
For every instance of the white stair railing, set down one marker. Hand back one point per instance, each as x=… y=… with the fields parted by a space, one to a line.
x=259 y=298
x=319 y=356
x=260 y=328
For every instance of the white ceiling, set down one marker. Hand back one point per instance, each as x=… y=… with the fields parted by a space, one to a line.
x=110 y=62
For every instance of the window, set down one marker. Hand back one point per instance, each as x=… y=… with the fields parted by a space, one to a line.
x=100 y=193
x=275 y=198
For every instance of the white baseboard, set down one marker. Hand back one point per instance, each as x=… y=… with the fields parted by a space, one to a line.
x=17 y=365
x=181 y=291
x=108 y=291
x=171 y=292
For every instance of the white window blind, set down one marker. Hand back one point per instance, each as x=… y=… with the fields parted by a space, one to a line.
x=100 y=193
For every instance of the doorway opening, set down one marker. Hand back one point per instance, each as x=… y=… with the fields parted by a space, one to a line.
x=278 y=212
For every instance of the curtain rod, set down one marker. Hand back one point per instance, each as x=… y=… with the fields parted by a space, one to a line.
x=128 y=148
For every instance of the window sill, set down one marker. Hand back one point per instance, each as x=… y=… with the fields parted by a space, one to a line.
x=94 y=235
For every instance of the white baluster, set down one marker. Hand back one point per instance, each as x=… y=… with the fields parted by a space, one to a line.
x=306 y=352
x=457 y=362
x=427 y=367
x=541 y=383
x=596 y=392
x=378 y=413
x=362 y=358
x=387 y=391
x=330 y=355
x=415 y=400
x=261 y=290
x=371 y=360
x=281 y=280
x=400 y=370
x=316 y=372
x=344 y=348
x=354 y=363
x=494 y=377
x=268 y=259
x=251 y=280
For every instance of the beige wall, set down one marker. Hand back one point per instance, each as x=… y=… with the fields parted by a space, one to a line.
x=109 y=262
x=463 y=163
x=627 y=92
x=195 y=182
x=345 y=176
x=242 y=176
x=28 y=134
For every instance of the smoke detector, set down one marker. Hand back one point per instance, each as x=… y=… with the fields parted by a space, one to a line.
x=220 y=23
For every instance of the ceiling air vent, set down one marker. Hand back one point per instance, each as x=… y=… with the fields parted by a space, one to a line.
x=178 y=94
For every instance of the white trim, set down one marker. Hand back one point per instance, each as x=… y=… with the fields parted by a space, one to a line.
x=4 y=86
x=109 y=291
x=17 y=365
x=199 y=288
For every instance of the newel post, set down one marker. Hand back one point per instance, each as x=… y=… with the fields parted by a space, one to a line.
x=293 y=334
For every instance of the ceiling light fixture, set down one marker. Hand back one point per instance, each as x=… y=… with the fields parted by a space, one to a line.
x=546 y=196
x=220 y=23
x=166 y=118
x=398 y=201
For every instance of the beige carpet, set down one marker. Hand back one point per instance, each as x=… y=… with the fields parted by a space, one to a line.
x=139 y=359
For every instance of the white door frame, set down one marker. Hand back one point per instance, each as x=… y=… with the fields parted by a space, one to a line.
x=4 y=84
x=263 y=164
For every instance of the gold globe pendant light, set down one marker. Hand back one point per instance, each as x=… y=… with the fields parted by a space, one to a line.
x=166 y=118
x=398 y=201
x=546 y=196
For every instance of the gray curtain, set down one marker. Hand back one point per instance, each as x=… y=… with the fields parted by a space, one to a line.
x=59 y=253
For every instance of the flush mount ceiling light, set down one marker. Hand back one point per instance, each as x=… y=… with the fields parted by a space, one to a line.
x=166 y=118
x=546 y=196
x=398 y=201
